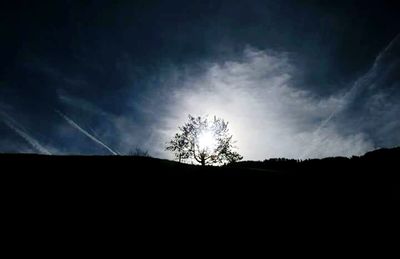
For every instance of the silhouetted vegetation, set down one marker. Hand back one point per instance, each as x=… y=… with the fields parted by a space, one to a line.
x=204 y=141
x=139 y=152
x=382 y=159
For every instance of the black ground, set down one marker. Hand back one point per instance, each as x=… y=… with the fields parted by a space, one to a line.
x=373 y=177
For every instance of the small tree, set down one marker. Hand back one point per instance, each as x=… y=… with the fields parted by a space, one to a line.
x=180 y=146
x=205 y=141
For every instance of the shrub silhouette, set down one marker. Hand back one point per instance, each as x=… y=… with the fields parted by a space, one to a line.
x=139 y=152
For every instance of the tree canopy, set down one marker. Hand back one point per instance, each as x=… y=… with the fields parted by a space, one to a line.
x=204 y=141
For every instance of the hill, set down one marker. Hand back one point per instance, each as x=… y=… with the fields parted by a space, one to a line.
x=371 y=177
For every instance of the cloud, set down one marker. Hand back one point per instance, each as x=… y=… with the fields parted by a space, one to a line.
x=82 y=104
x=375 y=107
x=268 y=115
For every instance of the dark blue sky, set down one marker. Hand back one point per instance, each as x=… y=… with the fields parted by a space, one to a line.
x=115 y=67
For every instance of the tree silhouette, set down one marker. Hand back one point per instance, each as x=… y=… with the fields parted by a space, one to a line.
x=205 y=141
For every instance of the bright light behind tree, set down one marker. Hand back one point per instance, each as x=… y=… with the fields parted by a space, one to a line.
x=207 y=140
x=203 y=140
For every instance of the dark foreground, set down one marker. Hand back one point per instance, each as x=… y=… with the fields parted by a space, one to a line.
x=373 y=177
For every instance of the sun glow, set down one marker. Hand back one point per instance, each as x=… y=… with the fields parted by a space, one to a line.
x=207 y=141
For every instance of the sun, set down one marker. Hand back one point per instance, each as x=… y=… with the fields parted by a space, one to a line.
x=207 y=140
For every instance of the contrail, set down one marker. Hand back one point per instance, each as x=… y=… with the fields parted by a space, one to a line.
x=360 y=83
x=347 y=97
x=356 y=87
x=32 y=141
x=388 y=47
x=75 y=125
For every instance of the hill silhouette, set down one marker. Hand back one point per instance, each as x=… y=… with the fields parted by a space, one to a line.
x=371 y=177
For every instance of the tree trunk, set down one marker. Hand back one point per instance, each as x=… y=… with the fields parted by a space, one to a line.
x=203 y=161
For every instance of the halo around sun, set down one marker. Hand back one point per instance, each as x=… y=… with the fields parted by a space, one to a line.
x=207 y=140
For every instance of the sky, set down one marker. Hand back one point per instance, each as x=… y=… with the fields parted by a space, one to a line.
x=295 y=79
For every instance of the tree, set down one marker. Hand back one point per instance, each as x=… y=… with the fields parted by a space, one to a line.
x=205 y=141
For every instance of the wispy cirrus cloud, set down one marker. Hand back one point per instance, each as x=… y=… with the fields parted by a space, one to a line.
x=269 y=114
